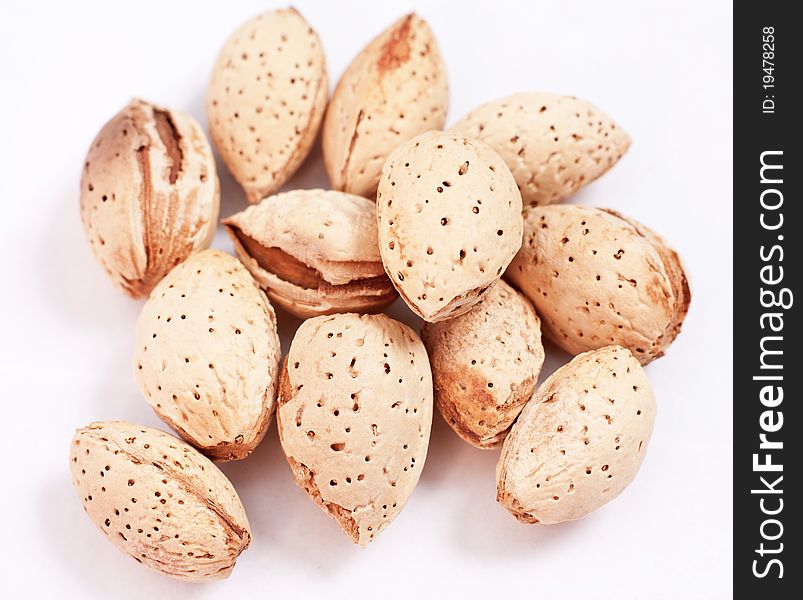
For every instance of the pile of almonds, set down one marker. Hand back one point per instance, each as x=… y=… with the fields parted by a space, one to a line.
x=436 y=217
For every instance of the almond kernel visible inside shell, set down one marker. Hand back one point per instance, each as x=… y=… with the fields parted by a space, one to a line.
x=289 y=268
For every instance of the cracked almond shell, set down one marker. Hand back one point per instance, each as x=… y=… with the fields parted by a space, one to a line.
x=449 y=217
x=159 y=500
x=580 y=441
x=354 y=417
x=485 y=364
x=314 y=252
x=266 y=99
x=395 y=89
x=597 y=278
x=149 y=194
x=553 y=144
x=207 y=355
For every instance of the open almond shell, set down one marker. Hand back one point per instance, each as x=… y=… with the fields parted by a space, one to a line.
x=314 y=252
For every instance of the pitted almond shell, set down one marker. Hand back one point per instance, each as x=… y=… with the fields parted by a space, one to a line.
x=674 y=270
x=395 y=89
x=266 y=99
x=553 y=144
x=597 y=278
x=580 y=441
x=207 y=355
x=354 y=417
x=485 y=364
x=449 y=219
x=159 y=500
x=149 y=194
x=314 y=252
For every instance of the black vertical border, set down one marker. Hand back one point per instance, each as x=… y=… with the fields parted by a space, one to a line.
x=755 y=132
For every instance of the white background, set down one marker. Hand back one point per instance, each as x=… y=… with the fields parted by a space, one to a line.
x=662 y=70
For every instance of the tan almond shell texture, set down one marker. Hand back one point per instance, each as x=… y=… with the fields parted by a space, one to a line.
x=395 y=89
x=485 y=364
x=354 y=417
x=597 y=278
x=553 y=144
x=207 y=355
x=580 y=441
x=159 y=500
x=149 y=194
x=449 y=216
x=330 y=237
x=266 y=99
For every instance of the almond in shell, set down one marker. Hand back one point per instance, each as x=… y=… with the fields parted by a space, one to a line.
x=266 y=99
x=598 y=278
x=207 y=355
x=580 y=441
x=449 y=216
x=553 y=144
x=395 y=89
x=314 y=252
x=149 y=194
x=485 y=364
x=354 y=417
x=159 y=500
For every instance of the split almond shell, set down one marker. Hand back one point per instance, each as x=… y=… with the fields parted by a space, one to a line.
x=395 y=89
x=159 y=500
x=314 y=252
x=149 y=194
